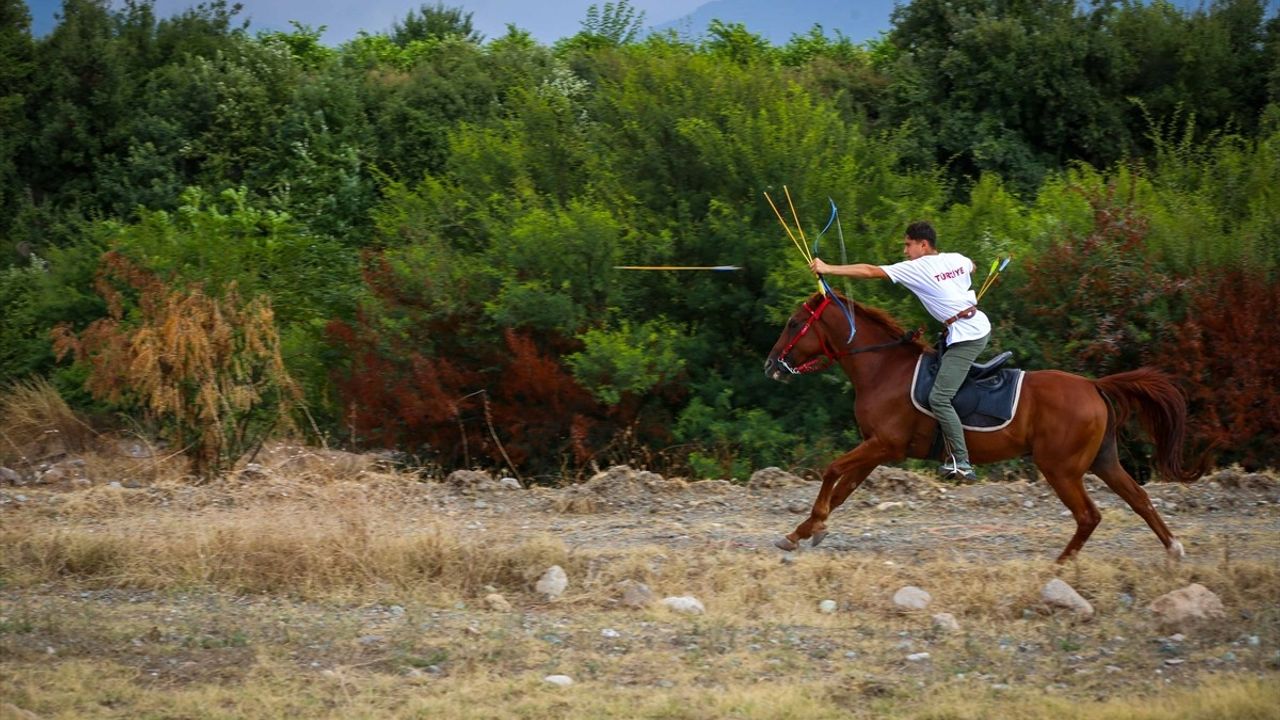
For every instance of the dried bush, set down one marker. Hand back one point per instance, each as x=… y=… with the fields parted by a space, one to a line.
x=207 y=369
x=36 y=422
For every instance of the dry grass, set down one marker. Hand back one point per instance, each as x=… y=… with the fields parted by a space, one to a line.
x=267 y=595
x=314 y=540
x=35 y=422
x=275 y=690
x=344 y=539
x=295 y=549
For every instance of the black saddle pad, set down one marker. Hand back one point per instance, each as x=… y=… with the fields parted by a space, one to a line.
x=986 y=402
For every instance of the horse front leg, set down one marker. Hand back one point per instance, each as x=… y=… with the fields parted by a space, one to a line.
x=839 y=480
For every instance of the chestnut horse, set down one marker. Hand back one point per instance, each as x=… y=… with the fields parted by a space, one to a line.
x=1067 y=423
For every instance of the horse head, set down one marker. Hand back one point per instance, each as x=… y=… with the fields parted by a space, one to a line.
x=806 y=344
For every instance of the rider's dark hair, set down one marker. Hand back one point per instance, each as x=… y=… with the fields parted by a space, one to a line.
x=922 y=230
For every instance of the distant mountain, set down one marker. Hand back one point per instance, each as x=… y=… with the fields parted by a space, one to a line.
x=859 y=20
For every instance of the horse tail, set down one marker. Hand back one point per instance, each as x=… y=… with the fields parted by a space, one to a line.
x=1161 y=408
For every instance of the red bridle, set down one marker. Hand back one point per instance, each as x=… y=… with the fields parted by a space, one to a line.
x=818 y=363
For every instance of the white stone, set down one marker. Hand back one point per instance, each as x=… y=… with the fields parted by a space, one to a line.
x=946 y=621
x=918 y=657
x=686 y=604
x=911 y=597
x=560 y=680
x=635 y=594
x=1191 y=604
x=553 y=582
x=827 y=606
x=772 y=477
x=470 y=480
x=1057 y=593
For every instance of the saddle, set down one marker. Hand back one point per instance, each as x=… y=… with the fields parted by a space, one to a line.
x=986 y=400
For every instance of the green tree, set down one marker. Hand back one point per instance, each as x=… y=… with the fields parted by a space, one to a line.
x=1012 y=87
x=632 y=358
x=1212 y=59
x=17 y=54
x=107 y=136
x=303 y=44
x=55 y=286
x=434 y=22
x=735 y=43
x=411 y=112
x=609 y=26
x=78 y=101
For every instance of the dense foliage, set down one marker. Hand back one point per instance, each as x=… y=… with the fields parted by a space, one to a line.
x=430 y=220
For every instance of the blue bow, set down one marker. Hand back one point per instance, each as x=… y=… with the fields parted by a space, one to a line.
x=835 y=218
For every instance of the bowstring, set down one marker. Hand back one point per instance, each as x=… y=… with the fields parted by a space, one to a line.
x=835 y=218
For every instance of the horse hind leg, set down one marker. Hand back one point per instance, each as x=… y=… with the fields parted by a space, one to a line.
x=1107 y=466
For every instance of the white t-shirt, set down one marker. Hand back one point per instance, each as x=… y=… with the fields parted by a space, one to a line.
x=944 y=284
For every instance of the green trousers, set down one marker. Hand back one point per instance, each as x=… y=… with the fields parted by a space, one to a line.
x=956 y=362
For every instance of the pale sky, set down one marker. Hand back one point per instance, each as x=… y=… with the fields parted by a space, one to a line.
x=548 y=21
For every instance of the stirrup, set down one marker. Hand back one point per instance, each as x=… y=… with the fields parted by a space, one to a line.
x=955 y=471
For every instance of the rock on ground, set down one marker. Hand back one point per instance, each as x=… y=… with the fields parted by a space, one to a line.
x=635 y=594
x=1187 y=606
x=686 y=604
x=471 y=480
x=772 y=478
x=553 y=582
x=912 y=598
x=946 y=621
x=1058 y=594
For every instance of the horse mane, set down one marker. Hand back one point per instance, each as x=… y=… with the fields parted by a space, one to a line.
x=877 y=316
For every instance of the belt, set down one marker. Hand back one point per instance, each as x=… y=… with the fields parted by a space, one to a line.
x=962 y=315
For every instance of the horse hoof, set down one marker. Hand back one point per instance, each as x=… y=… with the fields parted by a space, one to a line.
x=818 y=537
x=1175 y=550
x=784 y=543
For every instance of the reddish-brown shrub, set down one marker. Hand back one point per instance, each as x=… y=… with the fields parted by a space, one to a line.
x=433 y=377
x=1226 y=349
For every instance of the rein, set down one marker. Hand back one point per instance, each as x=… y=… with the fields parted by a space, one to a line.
x=907 y=337
x=829 y=354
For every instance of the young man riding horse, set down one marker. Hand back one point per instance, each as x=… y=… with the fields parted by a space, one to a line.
x=944 y=284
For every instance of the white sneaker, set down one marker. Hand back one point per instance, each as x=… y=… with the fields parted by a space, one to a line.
x=961 y=471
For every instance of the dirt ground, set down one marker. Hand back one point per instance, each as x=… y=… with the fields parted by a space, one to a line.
x=895 y=514
x=160 y=651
